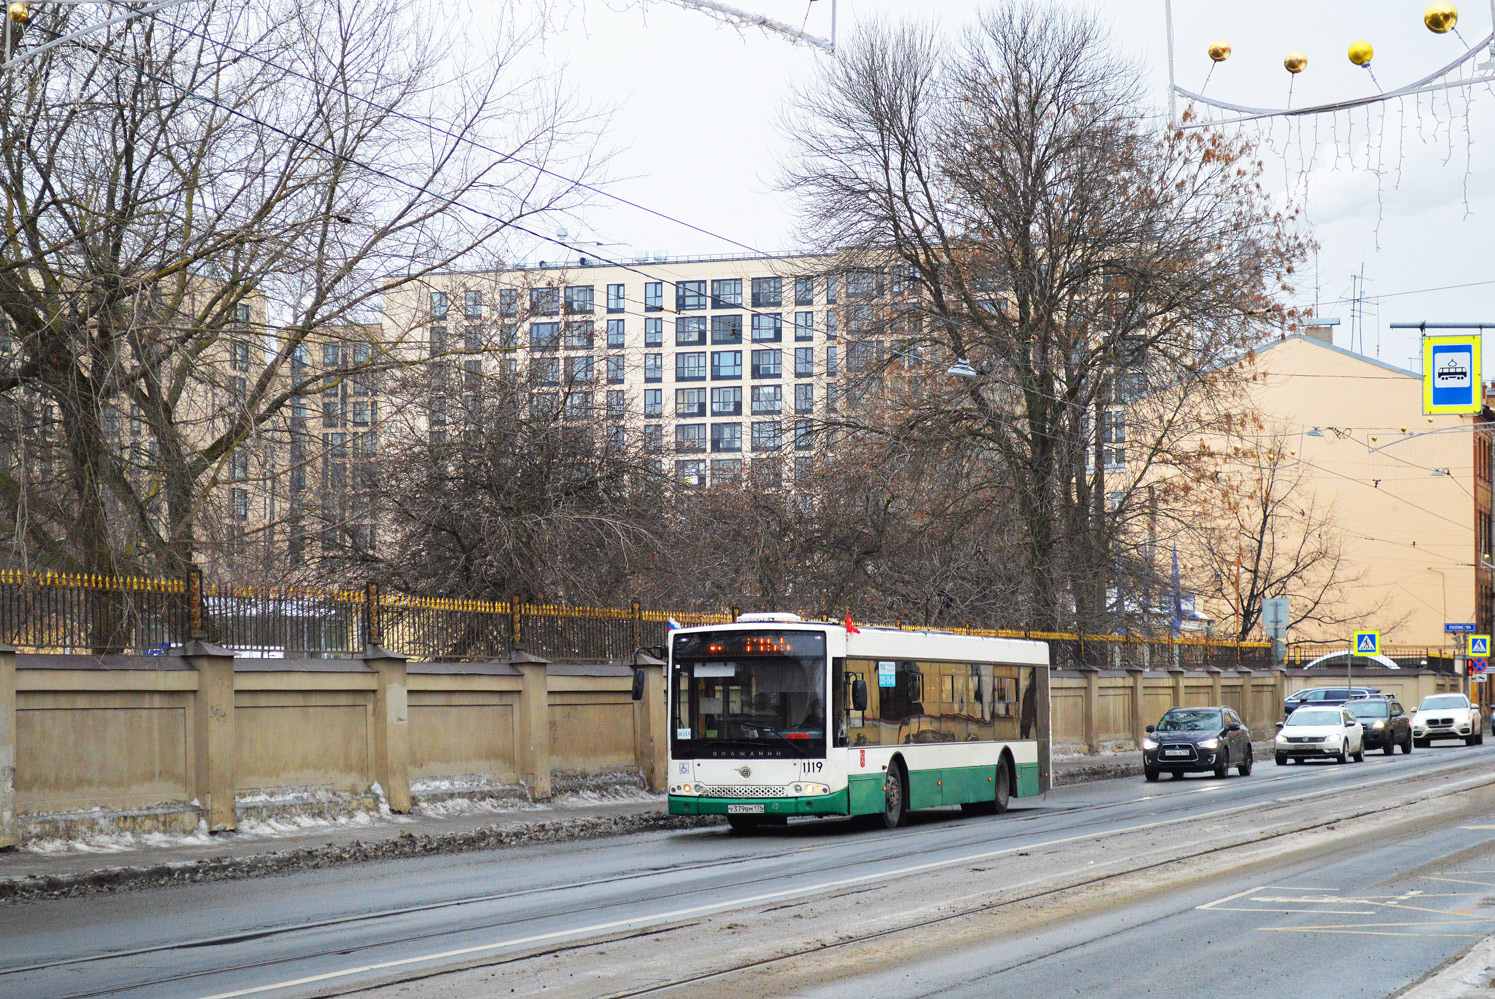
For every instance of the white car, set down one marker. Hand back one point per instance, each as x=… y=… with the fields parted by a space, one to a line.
x=1447 y=716
x=1317 y=732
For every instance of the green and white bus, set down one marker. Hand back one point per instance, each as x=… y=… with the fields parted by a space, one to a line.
x=917 y=719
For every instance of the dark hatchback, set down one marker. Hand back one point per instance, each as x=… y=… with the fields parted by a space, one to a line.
x=1386 y=723
x=1190 y=740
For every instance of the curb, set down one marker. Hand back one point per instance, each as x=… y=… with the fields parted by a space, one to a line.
x=1465 y=977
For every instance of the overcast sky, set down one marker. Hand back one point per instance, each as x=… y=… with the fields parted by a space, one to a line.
x=694 y=137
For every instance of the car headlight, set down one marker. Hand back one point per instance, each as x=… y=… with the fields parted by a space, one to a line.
x=1379 y=724
x=1333 y=737
x=1209 y=744
x=1149 y=743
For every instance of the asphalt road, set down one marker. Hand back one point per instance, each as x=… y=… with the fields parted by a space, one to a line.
x=343 y=928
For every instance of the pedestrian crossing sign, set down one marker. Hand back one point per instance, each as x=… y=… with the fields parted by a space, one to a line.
x=1479 y=645
x=1367 y=643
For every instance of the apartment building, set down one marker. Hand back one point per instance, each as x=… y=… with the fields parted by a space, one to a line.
x=720 y=365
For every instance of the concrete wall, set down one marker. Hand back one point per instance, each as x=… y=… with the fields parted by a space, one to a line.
x=167 y=741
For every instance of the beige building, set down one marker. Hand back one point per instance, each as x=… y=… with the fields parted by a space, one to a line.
x=1350 y=457
x=719 y=365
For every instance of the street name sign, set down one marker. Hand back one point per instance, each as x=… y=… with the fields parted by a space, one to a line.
x=1458 y=628
x=1450 y=374
x=1367 y=643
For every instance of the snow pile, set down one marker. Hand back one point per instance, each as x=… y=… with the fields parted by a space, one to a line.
x=103 y=838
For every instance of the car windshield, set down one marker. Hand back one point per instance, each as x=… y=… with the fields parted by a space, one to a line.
x=1370 y=709
x=1314 y=716
x=1442 y=702
x=1190 y=720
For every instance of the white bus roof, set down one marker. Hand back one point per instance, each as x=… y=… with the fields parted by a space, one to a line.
x=891 y=643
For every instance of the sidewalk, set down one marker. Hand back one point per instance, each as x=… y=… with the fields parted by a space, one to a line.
x=30 y=873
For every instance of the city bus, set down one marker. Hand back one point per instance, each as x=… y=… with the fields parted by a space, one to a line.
x=774 y=716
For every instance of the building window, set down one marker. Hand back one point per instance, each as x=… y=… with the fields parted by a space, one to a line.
x=544 y=301
x=726 y=329
x=726 y=437
x=508 y=303
x=690 y=438
x=726 y=401
x=239 y=466
x=830 y=289
x=768 y=400
x=239 y=355
x=438 y=305
x=579 y=299
x=653 y=332
x=578 y=335
x=615 y=369
x=768 y=293
x=804 y=362
x=617 y=439
x=690 y=366
x=864 y=283
x=615 y=298
x=832 y=398
x=690 y=331
x=767 y=435
x=804 y=470
x=653 y=367
x=726 y=294
x=545 y=370
x=804 y=291
x=653 y=402
x=472 y=305
x=804 y=435
x=727 y=470
x=768 y=473
x=690 y=295
x=579 y=369
x=363 y=412
x=858 y=356
x=690 y=402
x=241 y=503
x=830 y=324
x=615 y=334
x=1113 y=438
x=768 y=363
x=579 y=405
x=830 y=362
x=726 y=364
x=438 y=340
x=545 y=336
x=654 y=296
x=690 y=473
x=804 y=398
x=768 y=328
x=653 y=438
x=804 y=326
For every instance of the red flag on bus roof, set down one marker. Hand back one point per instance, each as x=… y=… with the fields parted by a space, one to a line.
x=851 y=629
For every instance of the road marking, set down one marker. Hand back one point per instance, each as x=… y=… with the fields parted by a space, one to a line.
x=886 y=875
x=1477 y=827
x=1368 y=933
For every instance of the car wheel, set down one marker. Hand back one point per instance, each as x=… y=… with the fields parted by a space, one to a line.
x=1468 y=740
x=742 y=825
x=1407 y=746
x=1149 y=773
x=1344 y=755
x=1421 y=743
x=1222 y=769
x=895 y=797
x=1360 y=756
x=1245 y=768
x=1281 y=760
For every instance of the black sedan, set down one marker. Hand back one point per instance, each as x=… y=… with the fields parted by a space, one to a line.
x=1386 y=723
x=1189 y=740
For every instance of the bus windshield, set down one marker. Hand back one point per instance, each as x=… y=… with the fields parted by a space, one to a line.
x=758 y=694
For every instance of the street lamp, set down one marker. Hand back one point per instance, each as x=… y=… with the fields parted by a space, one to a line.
x=962 y=369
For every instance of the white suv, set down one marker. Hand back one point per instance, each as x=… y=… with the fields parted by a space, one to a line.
x=1446 y=716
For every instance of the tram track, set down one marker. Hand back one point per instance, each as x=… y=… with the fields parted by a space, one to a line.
x=1167 y=803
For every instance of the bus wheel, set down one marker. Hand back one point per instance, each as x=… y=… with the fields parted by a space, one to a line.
x=895 y=793
x=1004 y=785
x=742 y=824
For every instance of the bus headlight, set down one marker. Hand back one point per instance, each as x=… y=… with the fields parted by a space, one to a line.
x=682 y=789
x=810 y=789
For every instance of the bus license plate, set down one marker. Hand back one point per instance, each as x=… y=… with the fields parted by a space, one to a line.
x=744 y=809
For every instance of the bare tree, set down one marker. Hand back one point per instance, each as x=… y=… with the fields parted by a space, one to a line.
x=1048 y=233
x=192 y=198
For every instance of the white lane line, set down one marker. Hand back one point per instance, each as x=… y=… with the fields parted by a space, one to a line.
x=888 y=875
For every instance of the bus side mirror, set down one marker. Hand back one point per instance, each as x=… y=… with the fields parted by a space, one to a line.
x=859 y=694
x=638 y=685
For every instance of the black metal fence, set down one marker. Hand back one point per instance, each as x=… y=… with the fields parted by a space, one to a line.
x=49 y=612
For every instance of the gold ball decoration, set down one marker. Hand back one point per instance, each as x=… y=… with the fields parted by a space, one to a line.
x=1361 y=53
x=1219 y=50
x=1295 y=62
x=19 y=13
x=1440 y=17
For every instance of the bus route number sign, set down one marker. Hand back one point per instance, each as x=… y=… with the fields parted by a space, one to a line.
x=887 y=674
